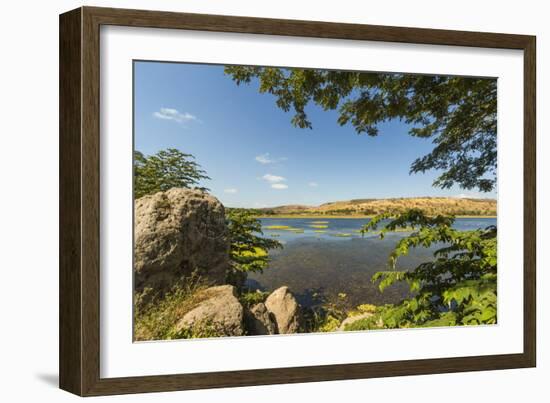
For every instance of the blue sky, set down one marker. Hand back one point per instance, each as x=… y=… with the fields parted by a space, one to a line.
x=253 y=154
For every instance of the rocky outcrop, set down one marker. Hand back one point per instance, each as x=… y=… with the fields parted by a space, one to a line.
x=219 y=313
x=285 y=310
x=259 y=321
x=216 y=311
x=179 y=232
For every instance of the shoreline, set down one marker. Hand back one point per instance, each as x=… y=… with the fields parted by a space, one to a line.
x=315 y=216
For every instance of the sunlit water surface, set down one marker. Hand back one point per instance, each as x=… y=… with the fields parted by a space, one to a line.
x=320 y=265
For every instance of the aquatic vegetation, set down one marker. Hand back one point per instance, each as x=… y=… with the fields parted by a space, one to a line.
x=320 y=231
x=317 y=261
x=342 y=235
x=279 y=227
x=284 y=228
x=319 y=222
x=320 y=226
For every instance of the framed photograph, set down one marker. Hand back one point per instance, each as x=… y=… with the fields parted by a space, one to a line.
x=249 y=201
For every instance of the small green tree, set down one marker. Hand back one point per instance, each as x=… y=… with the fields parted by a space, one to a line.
x=459 y=287
x=166 y=169
x=459 y=114
x=249 y=250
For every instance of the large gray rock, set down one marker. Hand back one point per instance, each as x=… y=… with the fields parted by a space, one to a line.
x=179 y=232
x=285 y=310
x=219 y=312
x=259 y=321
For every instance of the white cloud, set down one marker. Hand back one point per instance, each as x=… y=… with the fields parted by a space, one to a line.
x=266 y=159
x=174 y=114
x=273 y=178
x=230 y=190
x=279 y=186
x=313 y=184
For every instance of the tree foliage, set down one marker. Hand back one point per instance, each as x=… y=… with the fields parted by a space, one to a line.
x=459 y=114
x=166 y=169
x=249 y=249
x=459 y=287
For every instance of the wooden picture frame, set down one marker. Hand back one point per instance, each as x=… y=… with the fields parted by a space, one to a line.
x=79 y=347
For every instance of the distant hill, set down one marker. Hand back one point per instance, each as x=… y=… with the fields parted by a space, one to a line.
x=362 y=207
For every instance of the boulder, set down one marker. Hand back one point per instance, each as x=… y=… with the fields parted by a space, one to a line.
x=177 y=233
x=285 y=310
x=259 y=321
x=352 y=319
x=219 y=312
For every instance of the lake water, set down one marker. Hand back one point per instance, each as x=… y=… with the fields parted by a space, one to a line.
x=318 y=266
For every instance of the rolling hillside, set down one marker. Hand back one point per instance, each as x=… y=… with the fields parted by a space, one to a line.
x=430 y=205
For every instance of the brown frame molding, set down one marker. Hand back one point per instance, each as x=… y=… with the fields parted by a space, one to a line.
x=79 y=200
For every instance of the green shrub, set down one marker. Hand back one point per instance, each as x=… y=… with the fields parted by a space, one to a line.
x=249 y=249
x=250 y=298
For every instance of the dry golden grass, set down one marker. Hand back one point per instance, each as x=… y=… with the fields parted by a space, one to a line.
x=157 y=320
x=369 y=207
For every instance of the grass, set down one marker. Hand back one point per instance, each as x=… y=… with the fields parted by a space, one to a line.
x=199 y=330
x=157 y=320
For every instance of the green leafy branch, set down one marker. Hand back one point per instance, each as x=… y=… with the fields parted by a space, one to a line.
x=165 y=170
x=457 y=287
x=249 y=249
x=458 y=114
